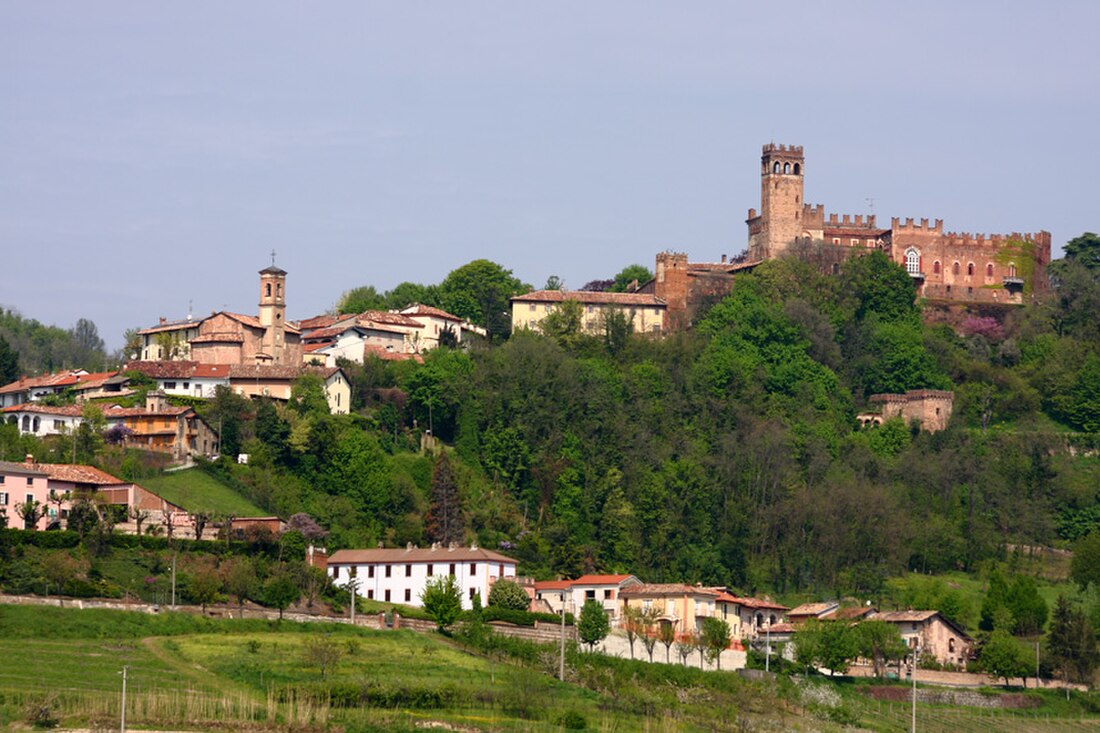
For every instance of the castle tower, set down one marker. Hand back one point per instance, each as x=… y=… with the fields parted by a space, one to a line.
x=273 y=312
x=780 y=220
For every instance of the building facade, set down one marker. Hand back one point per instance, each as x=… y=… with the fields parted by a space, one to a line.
x=399 y=576
x=644 y=312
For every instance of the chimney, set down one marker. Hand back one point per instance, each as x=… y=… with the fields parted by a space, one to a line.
x=29 y=459
x=473 y=546
x=163 y=320
x=409 y=546
x=723 y=259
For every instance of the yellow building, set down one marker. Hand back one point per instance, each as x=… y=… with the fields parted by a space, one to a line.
x=645 y=312
x=683 y=606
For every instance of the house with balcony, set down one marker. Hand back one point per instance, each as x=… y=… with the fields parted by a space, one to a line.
x=573 y=594
x=683 y=606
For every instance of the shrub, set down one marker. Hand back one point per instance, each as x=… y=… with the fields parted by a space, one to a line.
x=508 y=594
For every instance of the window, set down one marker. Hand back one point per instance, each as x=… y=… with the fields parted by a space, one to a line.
x=532 y=307
x=370 y=594
x=951 y=646
x=452 y=569
x=912 y=261
x=408 y=595
x=58 y=424
x=353 y=571
x=335 y=572
x=473 y=592
x=1012 y=269
x=169 y=385
x=609 y=595
x=1 y=480
x=989 y=269
x=187 y=385
x=646 y=604
x=855 y=242
x=30 y=482
x=387 y=596
x=936 y=267
x=408 y=571
x=389 y=570
x=786 y=168
x=3 y=498
x=30 y=497
x=430 y=567
x=836 y=240
x=775 y=168
x=970 y=269
x=500 y=573
x=267 y=290
x=473 y=568
x=590 y=595
x=955 y=269
x=370 y=571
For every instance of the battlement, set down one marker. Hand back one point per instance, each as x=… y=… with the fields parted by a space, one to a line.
x=896 y=224
x=814 y=210
x=836 y=220
x=992 y=240
x=669 y=257
x=789 y=149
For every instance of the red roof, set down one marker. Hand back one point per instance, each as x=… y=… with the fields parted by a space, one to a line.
x=553 y=585
x=591 y=298
x=322 y=321
x=277 y=371
x=60 y=379
x=416 y=554
x=427 y=310
x=76 y=473
x=394 y=319
x=666 y=589
x=179 y=369
x=39 y=408
x=170 y=326
x=601 y=579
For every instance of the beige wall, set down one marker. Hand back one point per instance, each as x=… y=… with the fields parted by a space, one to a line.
x=647 y=319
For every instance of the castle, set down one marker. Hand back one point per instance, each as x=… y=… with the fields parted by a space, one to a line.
x=971 y=268
x=946 y=267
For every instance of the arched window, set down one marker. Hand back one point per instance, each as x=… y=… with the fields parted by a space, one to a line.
x=775 y=168
x=797 y=169
x=989 y=269
x=970 y=269
x=759 y=619
x=26 y=423
x=37 y=422
x=936 y=267
x=951 y=646
x=279 y=289
x=912 y=261
x=955 y=269
x=1012 y=269
x=267 y=290
x=786 y=167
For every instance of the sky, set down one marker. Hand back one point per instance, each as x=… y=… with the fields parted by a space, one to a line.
x=152 y=155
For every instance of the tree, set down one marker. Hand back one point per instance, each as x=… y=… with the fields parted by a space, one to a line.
x=1003 y=656
x=995 y=599
x=829 y=644
x=508 y=594
x=31 y=511
x=479 y=291
x=1084 y=568
x=880 y=642
x=307 y=396
x=649 y=631
x=281 y=591
x=9 y=362
x=362 y=298
x=628 y=276
x=685 y=645
x=717 y=638
x=139 y=516
x=632 y=625
x=444 y=520
x=593 y=626
x=563 y=324
x=239 y=576
x=1084 y=249
x=666 y=633
x=616 y=328
x=199 y=521
x=307 y=525
x=1029 y=610
x=554 y=283
x=204 y=585
x=323 y=652
x=1072 y=643
x=442 y=600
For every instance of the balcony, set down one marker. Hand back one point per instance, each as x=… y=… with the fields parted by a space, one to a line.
x=1014 y=285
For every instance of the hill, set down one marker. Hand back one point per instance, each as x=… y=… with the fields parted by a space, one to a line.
x=196 y=490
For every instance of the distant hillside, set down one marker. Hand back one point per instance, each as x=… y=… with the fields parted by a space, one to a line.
x=195 y=490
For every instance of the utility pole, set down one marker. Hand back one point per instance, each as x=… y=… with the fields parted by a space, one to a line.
x=913 y=673
x=122 y=724
x=353 y=588
x=174 y=579
x=561 y=663
x=768 y=648
x=1037 y=683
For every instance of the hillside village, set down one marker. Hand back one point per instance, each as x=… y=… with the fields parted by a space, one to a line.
x=340 y=404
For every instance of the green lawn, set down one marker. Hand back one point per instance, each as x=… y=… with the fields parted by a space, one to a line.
x=196 y=490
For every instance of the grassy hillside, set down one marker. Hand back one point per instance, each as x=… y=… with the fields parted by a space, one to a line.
x=197 y=490
x=197 y=674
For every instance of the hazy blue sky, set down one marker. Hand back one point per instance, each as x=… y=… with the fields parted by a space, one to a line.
x=154 y=153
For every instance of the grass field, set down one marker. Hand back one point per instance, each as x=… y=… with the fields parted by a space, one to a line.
x=196 y=490
x=194 y=673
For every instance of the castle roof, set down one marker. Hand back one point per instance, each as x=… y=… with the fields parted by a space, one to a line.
x=591 y=298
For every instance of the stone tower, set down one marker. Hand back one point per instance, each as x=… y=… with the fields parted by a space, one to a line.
x=780 y=220
x=273 y=313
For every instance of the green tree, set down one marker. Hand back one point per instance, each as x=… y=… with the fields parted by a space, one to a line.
x=1084 y=568
x=666 y=634
x=281 y=591
x=323 y=652
x=1072 y=643
x=996 y=599
x=593 y=626
x=880 y=642
x=615 y=328
x=240 y=581
x=632 y=625
x=444 y=522
x=1002 y=656
x=717 y=638
x=9 y=362
x=508 y=594
x=204 y=585
x=563 y=324
x=30 y=511
x=479 y=291
x=362 y=298
x=630 y=274
x=829 y=644
x=307 y=396
x=1029 y=610
x=1084 y=249
x=442 y=600
x=649 y=630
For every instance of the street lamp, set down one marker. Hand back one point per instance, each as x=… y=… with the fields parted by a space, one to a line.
x=122 y=719
x=353 y=588
x=561 y=661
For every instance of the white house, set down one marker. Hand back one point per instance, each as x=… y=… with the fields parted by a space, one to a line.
x=393 y=575
x=184 y=378
x=34 y=418
x=575 y=593
x=33 y=389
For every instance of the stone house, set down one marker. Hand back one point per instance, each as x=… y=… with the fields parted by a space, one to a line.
x=933 y=634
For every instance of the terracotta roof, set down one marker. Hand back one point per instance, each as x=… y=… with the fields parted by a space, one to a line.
x=322 y=321
x=39 y=408
x=591 y=298
x=416 y=554
x=426 y=310
x=211 y=371
x=905 y=616
x=77 y=474
x=171 y=326
x=330 y=332
x=778 y=629
x=247 y=320
x=380 y=352
x=760 y=603
x=28 y=469
x=667 y=589
x=850 y=613
x=167 y=411
x=308 y=348
x=394 y=319
x=277 y=371
x=272 y=270
x=812 y=609
x=553 y=585
x=601 y=579
x=59 y=379
x=178 y=369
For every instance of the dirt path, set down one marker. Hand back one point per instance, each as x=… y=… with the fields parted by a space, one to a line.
x=193 y=671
